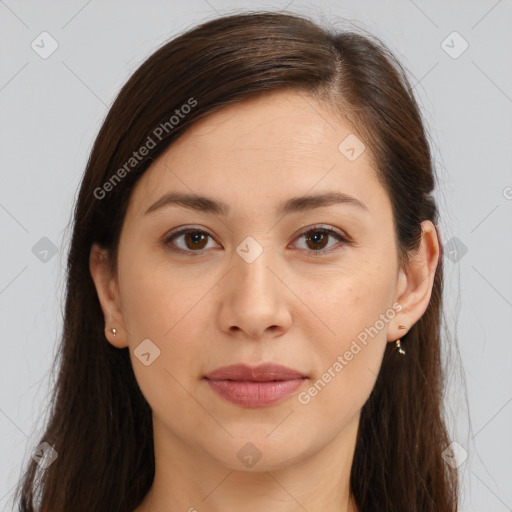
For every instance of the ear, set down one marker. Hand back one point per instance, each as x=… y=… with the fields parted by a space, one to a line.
x=416 y=281
x=108 y=295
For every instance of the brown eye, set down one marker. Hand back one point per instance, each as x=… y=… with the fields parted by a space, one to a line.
x=317 y=239
x=193 y=240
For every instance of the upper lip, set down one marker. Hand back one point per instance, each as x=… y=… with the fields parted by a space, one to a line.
x=260 y=373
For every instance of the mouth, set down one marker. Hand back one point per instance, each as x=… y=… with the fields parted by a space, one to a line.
x=255 y=386
x=262 y=373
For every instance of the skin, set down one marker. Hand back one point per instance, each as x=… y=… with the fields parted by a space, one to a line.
x=290 y=306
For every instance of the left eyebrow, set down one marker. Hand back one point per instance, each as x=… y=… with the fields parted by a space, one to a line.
x=295 y=204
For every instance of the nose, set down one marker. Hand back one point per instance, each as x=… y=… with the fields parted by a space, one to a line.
x=255 y=299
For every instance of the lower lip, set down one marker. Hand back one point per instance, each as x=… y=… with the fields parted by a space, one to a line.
x=254 y=394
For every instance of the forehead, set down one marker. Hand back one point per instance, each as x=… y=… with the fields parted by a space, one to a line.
x=280 y=144
x=281 y=122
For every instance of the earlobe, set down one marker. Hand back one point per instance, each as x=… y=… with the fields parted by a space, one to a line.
x=417 y=280
x=106 y=289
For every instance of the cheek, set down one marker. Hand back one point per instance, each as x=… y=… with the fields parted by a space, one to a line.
x=349 y=364
x=163 y=307
x=157 y=299
x=358 y=311
x=172 y=309
x=353 y=303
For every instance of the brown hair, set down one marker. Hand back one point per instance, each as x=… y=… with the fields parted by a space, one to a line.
x=99 y=423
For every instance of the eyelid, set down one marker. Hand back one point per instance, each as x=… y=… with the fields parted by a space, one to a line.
x=341 y=236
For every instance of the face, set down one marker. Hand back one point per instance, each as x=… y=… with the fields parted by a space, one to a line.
x=313 y=287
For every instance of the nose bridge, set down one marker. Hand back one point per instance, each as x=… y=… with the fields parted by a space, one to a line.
x=252 y=261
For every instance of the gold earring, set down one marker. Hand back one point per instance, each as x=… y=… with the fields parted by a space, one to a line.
x=114 y=331
x=398 y=347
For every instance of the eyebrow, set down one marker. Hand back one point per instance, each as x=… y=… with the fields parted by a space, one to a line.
x=293 y=205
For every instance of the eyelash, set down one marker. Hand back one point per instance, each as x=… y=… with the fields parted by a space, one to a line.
x=329 y=231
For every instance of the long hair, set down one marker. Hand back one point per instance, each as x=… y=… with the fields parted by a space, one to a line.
x=99 y=422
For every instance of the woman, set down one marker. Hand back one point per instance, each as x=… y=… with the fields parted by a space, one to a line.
x=254 y=287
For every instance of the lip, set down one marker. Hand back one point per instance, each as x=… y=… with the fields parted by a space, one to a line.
x=257 y=386
x=262 y=373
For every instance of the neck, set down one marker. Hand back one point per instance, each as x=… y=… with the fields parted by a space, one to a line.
x=187 y=479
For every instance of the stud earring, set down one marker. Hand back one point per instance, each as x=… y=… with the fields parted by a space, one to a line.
x=113 y=330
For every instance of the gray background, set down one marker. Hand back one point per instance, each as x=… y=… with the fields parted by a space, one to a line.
x=51 y=110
